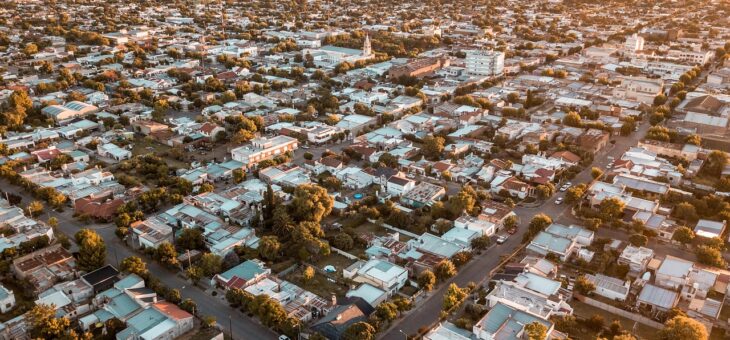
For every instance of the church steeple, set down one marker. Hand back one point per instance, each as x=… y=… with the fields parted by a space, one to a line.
x=366 y=49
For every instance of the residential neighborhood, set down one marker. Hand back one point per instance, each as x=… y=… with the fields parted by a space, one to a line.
x=473 y=170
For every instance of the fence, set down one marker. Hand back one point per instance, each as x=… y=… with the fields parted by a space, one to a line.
x=611 y=309
x=344 y=253
x=390 y=227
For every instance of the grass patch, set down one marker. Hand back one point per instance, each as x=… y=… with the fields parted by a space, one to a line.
x=22 y=303
x=143 y=146
x=338 y=261
x=319 y=284
x=583 y=310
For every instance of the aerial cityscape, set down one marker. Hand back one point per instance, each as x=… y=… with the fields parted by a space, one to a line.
x=362 y=170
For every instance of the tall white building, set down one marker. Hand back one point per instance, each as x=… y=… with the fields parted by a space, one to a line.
x=484 y=63
x=634 y=43
x=263 y=148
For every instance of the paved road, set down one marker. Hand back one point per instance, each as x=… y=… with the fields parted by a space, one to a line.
x=243 y=326
x=476 y=270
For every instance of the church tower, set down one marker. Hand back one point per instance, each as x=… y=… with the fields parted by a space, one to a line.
x=366 y=49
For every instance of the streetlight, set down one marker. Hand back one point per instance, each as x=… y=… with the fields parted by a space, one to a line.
x=404 y=334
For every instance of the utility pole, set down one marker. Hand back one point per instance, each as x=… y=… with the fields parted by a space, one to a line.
x=190 y=264
x=230 y=325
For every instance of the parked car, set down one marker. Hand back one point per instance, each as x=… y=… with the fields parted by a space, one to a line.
x=512 y=230
x=559 y=201
x=564 y=187
x=501 y=239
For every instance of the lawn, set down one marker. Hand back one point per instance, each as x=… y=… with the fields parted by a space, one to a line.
x=583 y=310
x=22 y=304
x=143 y=146
x=338 y=261
x=319 y=284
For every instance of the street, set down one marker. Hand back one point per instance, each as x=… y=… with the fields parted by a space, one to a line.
x=243 y=326
x=427 y=313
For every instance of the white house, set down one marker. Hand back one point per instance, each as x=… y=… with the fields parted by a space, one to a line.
x=378 y=273
x=7 y=299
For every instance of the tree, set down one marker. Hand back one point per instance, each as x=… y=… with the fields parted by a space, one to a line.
x=716 y=162
x=596 y=173
x=35 y=208
x=210 y=264
x=611 y=209
x=167 y=254
x=575 y=193
x=572 y=119
x=311 y=203
x=465 y=200
x=308 y=274
x=44 y=324
x=134 y=265
x=433 y=146
x=685 y=211
x=92 y=250
x=343 y=241
x=481 y=242
x=359 y=331
x=660 y=99
x=194 y=273
x=454 y=295
x=583 y=286
x=638 y=240
x=536 y=331
x=269 y=247
x=426 y=280
x=387 y=311
x=683 y=328
x=461 y=258
x=30 y=49
x=683 y=235
x=444 y=270
x=238 y=176
x=539 y=223
x=710 y=256
x=191 y=238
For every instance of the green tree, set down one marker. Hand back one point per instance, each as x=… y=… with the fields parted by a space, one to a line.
x=583 y=286
x=311 y=203
x=596 y=173
x=194 y=273
x=359 y=331
x=210 y=264
x=683 y=235
x=134 y=265
x=35 y=208
x=191 y=238
x=92 y=250
x=44 y=324
x=387 y=311
x=481 y=242
x=575 y=193
x=433 y=146
x=539 y=223
x=685 y=211
x=683 y=328
x=638 y=240
x=444 y=270
x=572 y=119
x=611 y=209
x=710 y=256
x=454 y=295
x=426 y=280
x=536 y=331
x=30 y=49
x=269 y=247
x=308 y=274
x=167 y=254
x=716 y=162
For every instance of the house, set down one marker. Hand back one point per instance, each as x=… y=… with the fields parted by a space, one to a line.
x=482 y=225
x=593 y=140
x=609 y=287
x=423 y=194
x=560 y=240
x=710 y=229
x=151 y=232
x=44 y=267
x=507 y=322
x=113 y=151
x=545 y=296
x=397 y=185
x=7 y=299
x=242 y=275
x=638 y=89
x=343 y=314
x=673 y=273
x=637 y=258
x=378 y=273
x=68 y=111
x=102 y=279
x=657 y=298
x=371 y=294
x=512 y=186
x=263 y=148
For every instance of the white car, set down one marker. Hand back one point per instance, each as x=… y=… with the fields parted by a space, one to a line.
x=501 y=239
x=564 y=187
x=559 y=201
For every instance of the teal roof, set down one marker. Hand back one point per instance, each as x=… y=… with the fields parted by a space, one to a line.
x=122 y=306
x=246 y=270
x=128 y=281
x=505 y=323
